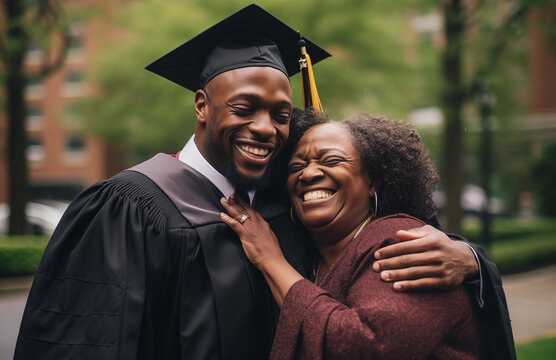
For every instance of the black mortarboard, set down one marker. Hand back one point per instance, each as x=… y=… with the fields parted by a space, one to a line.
x=250 y=37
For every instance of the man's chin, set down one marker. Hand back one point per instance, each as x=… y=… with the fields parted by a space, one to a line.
x=248 y=182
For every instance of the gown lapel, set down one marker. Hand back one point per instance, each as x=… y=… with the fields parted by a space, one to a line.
x=240 y=292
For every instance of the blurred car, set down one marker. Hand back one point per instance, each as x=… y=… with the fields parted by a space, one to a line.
x=43 y=215
x=472 y=201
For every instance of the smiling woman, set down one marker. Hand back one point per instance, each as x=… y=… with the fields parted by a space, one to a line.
x=353 y=185
x=327 y=183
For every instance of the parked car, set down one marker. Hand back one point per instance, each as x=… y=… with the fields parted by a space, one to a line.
x=472 y=201
x=43 y=215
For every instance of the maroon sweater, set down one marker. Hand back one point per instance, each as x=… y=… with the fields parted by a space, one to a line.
x=356 y=315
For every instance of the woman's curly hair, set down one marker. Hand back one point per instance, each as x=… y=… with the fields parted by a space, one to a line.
x=397 y=162
x=392 y=154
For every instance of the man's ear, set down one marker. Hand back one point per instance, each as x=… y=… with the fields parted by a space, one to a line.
x=201 y=107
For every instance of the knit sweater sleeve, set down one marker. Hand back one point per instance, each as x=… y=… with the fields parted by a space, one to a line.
x=361 y=317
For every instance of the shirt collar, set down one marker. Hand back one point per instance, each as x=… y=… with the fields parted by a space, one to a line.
x=191 y=156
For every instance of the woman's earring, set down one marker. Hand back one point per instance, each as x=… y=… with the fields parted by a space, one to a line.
x=376 y=205
x=293 y=217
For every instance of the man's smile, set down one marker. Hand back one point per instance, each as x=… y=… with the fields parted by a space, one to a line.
x=255 y=150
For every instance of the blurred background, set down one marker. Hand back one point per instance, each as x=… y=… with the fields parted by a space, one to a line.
x=476 y=78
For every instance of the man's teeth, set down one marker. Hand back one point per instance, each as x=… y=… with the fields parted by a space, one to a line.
x=316 y=195
x=254 y=150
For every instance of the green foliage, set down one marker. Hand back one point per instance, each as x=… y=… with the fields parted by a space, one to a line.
x=539 y=349
x=544 y=179
x=519 y=245
x=20 y=255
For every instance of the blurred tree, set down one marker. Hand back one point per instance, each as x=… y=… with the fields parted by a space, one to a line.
x=476 y=34
x=25 y=22
x=544 y=179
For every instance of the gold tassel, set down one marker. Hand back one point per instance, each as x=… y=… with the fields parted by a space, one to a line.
x=308 y=83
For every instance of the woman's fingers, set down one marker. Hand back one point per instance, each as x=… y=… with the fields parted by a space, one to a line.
x=234 y=209
x=231 y=222
x=421 y=284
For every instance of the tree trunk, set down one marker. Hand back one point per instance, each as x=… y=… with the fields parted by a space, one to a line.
x=452 y=103
x=18 y=186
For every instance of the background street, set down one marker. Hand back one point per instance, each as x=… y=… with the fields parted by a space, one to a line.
x=530 y=299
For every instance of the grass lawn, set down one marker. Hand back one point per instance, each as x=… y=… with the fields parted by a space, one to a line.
x=518 y=245
x=539 y=349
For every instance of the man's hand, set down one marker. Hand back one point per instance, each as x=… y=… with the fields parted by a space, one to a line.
x=425 y=259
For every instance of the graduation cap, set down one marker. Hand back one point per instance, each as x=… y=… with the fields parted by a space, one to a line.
x=250 y=37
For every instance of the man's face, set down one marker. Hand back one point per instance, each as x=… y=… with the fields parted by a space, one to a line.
x=243 y=119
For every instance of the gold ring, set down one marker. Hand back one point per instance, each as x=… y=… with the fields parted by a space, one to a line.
x=243 y=218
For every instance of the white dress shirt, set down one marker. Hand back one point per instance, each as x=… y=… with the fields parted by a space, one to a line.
x=191 y=156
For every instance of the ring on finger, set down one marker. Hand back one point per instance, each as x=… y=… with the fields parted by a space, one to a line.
x=243 y=218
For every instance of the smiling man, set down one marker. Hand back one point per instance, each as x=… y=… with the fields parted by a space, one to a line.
x=243 y=119
x=141 y=265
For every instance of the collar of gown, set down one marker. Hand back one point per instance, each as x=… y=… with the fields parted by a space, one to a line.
x=190 y=155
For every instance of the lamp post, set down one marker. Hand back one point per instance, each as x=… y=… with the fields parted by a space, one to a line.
x=486 y=101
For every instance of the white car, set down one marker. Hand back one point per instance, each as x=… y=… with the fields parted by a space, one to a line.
x=472 y=201
x=43 y=215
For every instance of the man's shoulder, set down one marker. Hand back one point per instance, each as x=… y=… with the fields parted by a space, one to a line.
x=134 y=188
x=136 y=179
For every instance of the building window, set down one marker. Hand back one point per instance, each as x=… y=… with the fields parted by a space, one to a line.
x=75 y=144
x=72 y=116
x=34 y=55
x=73 y=77
x=74 y=84
x=34 y=117
x=75 y=44
x=74 y=149
x=35 y=150
x=34 y=87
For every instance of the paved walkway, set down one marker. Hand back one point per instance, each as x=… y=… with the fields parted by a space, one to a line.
x=531 y=299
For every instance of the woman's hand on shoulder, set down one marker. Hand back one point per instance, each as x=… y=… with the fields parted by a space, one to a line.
x=257 y=238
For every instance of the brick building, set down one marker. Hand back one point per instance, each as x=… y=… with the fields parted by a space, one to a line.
x=62 y=157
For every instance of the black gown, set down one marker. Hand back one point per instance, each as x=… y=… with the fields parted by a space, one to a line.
x=141 y=267
x=133 y=272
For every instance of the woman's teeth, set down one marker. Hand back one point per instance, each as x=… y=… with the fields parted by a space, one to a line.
x=316 y=195
x=254 y=150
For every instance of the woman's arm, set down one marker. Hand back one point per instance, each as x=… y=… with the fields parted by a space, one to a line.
x=261 y=247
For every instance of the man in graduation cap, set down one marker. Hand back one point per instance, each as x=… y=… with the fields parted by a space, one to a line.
x=141 y=266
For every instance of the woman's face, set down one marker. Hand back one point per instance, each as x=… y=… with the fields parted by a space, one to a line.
x=329 y=190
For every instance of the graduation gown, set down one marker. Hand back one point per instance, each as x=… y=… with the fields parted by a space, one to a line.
x=141 y=267
x=494 y=314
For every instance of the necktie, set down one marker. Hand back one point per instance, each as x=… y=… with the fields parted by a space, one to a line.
x=243 y=195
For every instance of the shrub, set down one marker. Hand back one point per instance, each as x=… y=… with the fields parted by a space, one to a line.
x=544 y=179
x=20 y=255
